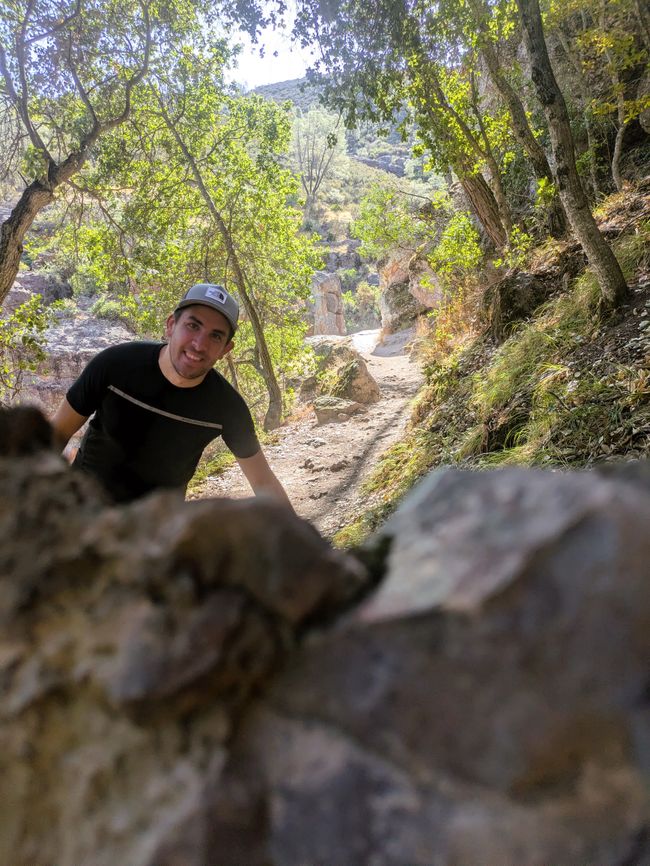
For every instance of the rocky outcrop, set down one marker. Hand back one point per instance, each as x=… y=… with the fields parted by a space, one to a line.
x=327 y=304
x=132 y=640
x=343 y=255
x=487 y=705
x=342 y=372
x=51 y=287
x=209 y=683
x=424 y=284
x=408 y=288
x=511 y=299
x=70 y=344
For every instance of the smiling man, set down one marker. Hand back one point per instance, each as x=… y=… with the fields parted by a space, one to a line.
x=155 y=406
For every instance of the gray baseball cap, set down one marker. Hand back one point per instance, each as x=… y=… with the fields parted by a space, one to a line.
x=211 y=295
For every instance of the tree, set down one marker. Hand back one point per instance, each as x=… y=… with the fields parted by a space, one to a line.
x=386 y=60
x=204 y=197
x=613 y=287
x=69 y=71
x=607 y=48
x=316 y=150
x=482 y=19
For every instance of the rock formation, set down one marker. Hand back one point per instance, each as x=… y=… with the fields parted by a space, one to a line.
x=133 y=639
x=408 y=288
x=209 y=683
x=50 y=287
x=342 y=372
x=327 y=304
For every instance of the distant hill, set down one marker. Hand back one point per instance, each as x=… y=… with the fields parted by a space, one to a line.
x=298 y=91
x=367 y=144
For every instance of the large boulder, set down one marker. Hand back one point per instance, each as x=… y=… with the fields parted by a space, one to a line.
x=132 y=640
x=424 y=283
x=487 y=704
x=514 y=297
x=343 y=373
x=209 y=683
x=330 y=410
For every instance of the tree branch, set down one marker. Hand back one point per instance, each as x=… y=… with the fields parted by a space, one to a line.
x=57 y=28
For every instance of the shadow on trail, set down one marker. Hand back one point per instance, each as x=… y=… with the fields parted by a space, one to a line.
x=359 y=466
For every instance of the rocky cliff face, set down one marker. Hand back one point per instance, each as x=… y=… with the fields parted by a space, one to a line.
x=209 y=683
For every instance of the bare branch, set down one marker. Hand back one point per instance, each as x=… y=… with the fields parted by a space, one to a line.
x=19 y=101
x=23 y=97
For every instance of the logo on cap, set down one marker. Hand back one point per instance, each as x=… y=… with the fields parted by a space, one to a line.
x=216 y=294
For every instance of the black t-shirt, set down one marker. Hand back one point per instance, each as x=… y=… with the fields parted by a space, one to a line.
x=147 y=433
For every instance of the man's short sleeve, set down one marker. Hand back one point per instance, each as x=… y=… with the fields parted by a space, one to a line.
x=85 y=395
x=239 y=433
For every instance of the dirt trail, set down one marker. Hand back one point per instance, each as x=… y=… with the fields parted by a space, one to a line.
x=323 y=467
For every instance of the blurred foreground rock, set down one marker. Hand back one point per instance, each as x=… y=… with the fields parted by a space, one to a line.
x=132 y=639
x=486 y=705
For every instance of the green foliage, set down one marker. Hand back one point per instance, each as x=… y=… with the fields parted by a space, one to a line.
x=516 y=253
x=458 y=250
x=22 y=344
x=214 y=461
x=349 y=278
x=148 y=243
x=386 y=223
x=361 y=307
x=110 y=309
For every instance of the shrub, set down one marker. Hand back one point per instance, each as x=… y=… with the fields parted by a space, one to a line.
x=109 y=308
x=22 y=344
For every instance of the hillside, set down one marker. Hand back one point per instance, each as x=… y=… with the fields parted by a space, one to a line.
x=561 y=387
x=373 y=145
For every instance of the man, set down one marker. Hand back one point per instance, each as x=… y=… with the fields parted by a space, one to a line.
x=157 y=405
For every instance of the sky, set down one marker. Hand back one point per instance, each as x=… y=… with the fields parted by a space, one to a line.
x=252 y=70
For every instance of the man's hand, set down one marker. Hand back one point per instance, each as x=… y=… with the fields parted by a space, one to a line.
x=261 y=477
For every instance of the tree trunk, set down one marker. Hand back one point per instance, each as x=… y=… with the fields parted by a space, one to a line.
x=36 y=196
x=617 y=87
x=555 y=217
x=643 y=16
x=484 y=205
x=618 y=150
x=273 y=417
x=592 y=144
x=612 y=283
x=494 y=215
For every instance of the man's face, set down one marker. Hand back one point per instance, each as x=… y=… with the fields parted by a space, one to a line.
x=199 y=338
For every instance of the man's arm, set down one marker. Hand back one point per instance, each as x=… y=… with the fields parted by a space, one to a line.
x=66 y=422
x=261 y=477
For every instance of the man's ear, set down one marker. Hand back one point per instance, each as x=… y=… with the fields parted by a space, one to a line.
x=169 y=325
x=228 y=348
